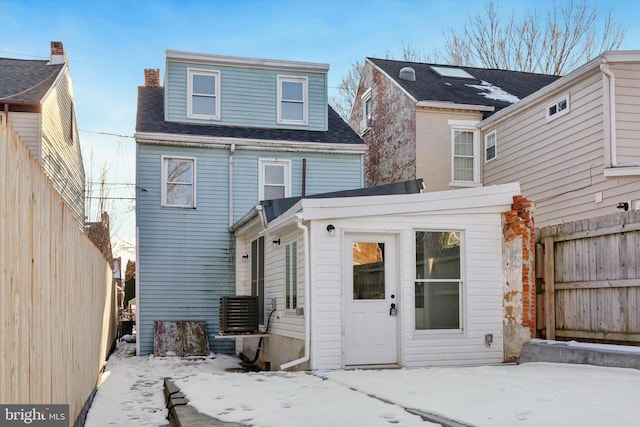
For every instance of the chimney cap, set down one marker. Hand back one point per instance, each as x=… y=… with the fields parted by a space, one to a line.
x=152 y=77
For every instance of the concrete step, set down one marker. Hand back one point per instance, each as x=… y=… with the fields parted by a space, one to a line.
x=620 y=356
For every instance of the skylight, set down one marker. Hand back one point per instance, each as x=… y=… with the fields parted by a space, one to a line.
x=452 y=72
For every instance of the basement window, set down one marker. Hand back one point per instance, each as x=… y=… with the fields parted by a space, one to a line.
x=558 y=108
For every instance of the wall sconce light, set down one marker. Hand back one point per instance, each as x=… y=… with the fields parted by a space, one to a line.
x=623 y=205
x=245 y=257
x=331 y=229
x=276 y=243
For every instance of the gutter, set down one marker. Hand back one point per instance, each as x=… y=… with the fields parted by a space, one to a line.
x=232 y=149
x=307 y=297
x=611 y=96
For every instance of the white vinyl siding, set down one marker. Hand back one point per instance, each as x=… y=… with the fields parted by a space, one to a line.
x=559 y=164
x=627 y=112
x=203 y=96
x=481 y=295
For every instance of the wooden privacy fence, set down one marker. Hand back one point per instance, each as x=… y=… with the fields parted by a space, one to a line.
x=57 y=301
x=591 y=279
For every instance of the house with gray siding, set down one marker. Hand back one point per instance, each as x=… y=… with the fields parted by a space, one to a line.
x=37 y=96
x=574 y=145
x=219 y=135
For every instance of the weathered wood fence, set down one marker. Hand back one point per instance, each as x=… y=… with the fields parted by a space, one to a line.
x=590 y=273
x=57 y=301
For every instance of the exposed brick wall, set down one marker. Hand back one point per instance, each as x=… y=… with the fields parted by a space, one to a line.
x=519 y=266
x=391 y=155
x=152 y=77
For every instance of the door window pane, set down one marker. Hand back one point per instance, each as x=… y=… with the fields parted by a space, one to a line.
x=368 y=271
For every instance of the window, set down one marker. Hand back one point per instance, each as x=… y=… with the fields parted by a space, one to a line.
x=274 y=179
x=203 y=94
x=292 y=100
x=490 y=141
x=291 y=275
x=464 y=165
x=558 y=108
x=365 y=124
x=178 y=182
x=257 y=274
x=438 y=285
x=452 y=72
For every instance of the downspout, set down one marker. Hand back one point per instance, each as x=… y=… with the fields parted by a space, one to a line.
x=307 y=297
x=232 y=149
x=604 y=67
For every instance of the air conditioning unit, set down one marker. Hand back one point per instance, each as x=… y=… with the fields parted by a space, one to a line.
x=239 y=314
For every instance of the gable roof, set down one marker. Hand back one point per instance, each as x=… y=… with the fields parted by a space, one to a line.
x=488 y=87
x=274 y=208
x=26 y=81
x=150 y=119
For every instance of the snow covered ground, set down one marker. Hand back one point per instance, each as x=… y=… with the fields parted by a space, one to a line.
x=531 y=394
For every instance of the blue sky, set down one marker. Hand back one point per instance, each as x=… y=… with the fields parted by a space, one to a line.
x=109 y=43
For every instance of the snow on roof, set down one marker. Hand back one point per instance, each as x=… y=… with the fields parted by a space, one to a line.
x=494 y=92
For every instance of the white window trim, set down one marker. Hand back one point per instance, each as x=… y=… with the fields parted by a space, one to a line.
x=163 y=167
x=495 y=146
x=557 y=102
x=466 y=126
x=195 y=71
x=305 y=99
x=293 y=273
x=365 y=124
x=287 y=175
x=460 y=332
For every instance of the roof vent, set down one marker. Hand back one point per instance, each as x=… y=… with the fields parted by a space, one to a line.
x=408 y=73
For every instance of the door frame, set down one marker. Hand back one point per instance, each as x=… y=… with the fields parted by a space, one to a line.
x=393 y=237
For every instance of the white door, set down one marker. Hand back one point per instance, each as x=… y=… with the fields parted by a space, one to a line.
x=370 y=299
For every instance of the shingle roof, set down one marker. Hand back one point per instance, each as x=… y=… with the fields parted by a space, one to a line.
x=484 y=89
x=26 y=80
x=151 y=119
x=275 y=208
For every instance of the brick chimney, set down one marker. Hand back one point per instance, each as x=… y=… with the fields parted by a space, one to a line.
x=58 y=56
x=152 y=77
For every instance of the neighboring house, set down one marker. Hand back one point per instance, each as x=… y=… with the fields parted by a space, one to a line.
x=222 y=134
x=419 y=120
x=574 y=145
x=399 y=279
x=37 y=97
x=99 y=233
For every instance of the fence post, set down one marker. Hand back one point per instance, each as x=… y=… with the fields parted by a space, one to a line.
x=549 y=289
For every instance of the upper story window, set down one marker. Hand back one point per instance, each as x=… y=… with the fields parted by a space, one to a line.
x=274 y=179
x=203 y=94
x=558 y=108
x=490 y=146
x=178 y=182
x=365 y=124
x=465 y=168
x=292 y=100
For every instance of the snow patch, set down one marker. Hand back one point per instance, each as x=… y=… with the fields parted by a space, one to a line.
x=494 y=92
